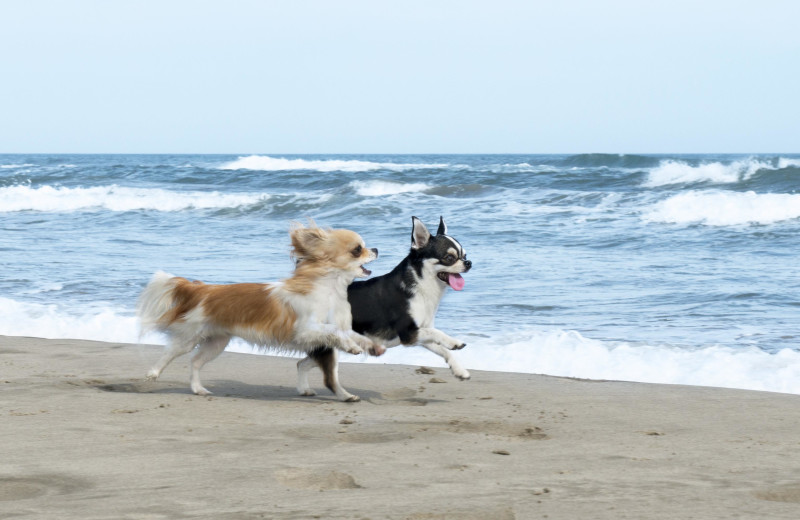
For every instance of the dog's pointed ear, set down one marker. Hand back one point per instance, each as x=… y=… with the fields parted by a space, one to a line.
x=442 y=227
x=307 y=242
x=419 y=234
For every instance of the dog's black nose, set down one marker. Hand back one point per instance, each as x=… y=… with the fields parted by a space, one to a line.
x=375 y=250
x=467 y=265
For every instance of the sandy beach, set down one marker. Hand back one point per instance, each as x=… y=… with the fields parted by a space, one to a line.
x=84 y=436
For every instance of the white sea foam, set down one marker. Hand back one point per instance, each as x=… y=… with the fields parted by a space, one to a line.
x=679 y=172
x=13 y=166
x=116 y=198
x=380 y=188
x=551 y=352
x=51 y=321
x=569 y=354
x=717 y=208
x=784 y=162
x=274 y=164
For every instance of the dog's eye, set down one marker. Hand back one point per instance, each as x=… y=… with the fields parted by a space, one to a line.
x=357 y=251
x=449 y=259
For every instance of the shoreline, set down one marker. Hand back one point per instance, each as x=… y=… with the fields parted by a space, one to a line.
x=86 y=437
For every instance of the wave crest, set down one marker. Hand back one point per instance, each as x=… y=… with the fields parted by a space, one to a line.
x=116 y=198
x=381 y=188
x=276 y=164
x=679 y=172
x=14 y=166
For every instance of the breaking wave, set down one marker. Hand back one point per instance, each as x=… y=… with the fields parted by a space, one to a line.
x=719 y=208
x=670 y=172
x=564 y=353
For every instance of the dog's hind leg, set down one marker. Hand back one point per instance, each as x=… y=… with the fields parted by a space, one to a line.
x=327 y=359
x=304 y=366
x=177 y=347
x=208 y=350
x=458 y=371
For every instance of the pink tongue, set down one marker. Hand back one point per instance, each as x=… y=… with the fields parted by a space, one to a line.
x=456 y=281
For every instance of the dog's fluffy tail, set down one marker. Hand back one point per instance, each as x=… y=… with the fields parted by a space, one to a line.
x=154 y=302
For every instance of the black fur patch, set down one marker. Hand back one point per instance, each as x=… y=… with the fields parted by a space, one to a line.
x=324 y=358
x=381 y=306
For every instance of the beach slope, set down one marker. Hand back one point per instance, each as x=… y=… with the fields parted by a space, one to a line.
x=85 y=437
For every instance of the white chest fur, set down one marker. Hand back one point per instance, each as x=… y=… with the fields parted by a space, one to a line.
x=326 y=304
x=427 y=295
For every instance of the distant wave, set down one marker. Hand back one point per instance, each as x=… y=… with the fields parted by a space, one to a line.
x=680 y=172
x=14 y=166
x=588 y=160
x=725 y=208
x=380 y=188
x=274 y=164
x=116 y=198
x=40 y=288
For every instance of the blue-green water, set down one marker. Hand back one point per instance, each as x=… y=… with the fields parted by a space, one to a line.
x=679 y=269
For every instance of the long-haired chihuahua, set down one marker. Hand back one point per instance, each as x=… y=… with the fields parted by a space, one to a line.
x=307 y=310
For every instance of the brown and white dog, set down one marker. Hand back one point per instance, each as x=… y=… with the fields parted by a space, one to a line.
x=307 y=310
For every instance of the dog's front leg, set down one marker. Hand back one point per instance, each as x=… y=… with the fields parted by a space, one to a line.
x=367 y=344
x=428 y=335
x=440 y=343
x=348 y=341
x=458 y=371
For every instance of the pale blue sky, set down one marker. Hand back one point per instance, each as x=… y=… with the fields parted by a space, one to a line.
x=399 y=77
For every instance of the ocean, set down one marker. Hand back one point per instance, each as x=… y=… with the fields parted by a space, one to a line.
x=658 y=268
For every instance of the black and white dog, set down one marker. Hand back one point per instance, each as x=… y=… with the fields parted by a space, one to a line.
x=400 y=307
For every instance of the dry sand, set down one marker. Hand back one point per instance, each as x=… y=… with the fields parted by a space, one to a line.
x=83 y=436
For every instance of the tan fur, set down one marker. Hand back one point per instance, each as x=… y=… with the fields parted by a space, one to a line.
x=317 y=251
x=246 y=305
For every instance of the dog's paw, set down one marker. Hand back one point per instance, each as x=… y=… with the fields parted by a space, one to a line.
x=376 y=350
x=351 y=347
x=307 y=393
x=152 y=375
x=200 y=390
x=455 y=344
x=351 y=399
x=462 y=374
